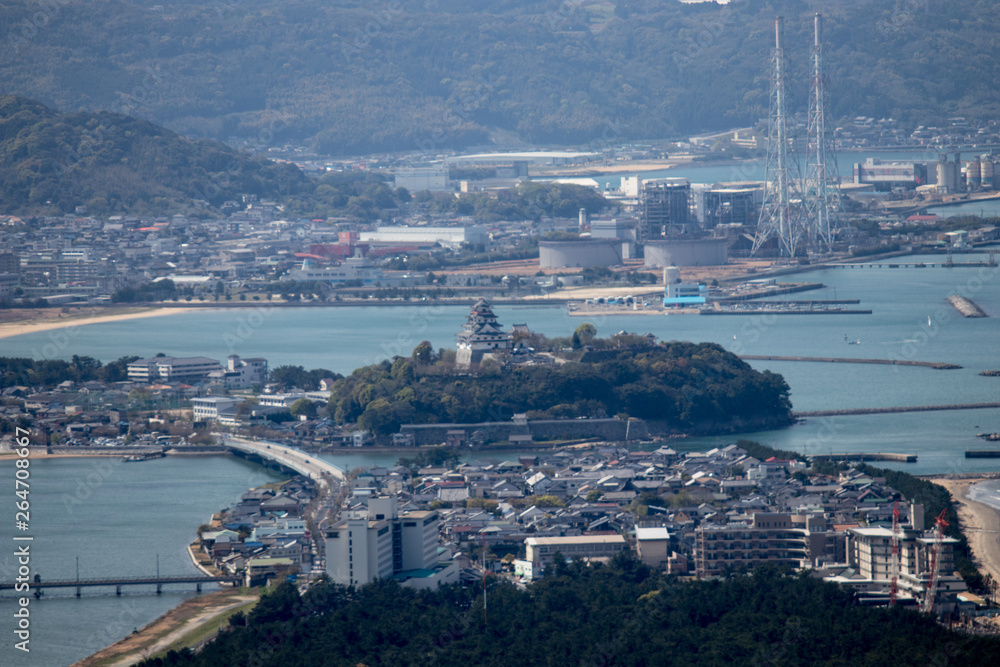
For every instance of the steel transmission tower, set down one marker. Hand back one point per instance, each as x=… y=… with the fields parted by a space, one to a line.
x=822 y=182
x=778 y=216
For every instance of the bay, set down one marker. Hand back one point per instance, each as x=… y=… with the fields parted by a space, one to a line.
x=155 y=507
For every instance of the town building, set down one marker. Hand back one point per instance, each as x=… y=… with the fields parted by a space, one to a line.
x=241 y=373
x=212 y=408
x=379 y=541
x=796 y=540
x=540 y=551
x=172 y=369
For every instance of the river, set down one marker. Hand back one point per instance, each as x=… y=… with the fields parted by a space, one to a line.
x=126 y=517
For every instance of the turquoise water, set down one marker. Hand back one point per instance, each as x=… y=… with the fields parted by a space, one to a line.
x=119 y=520
x=140 y=510
x=984 y=209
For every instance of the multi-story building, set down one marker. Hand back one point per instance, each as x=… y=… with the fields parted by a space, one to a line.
x=381 y=542
x=870 y=553
x=540 y=551
x=241 y=373
x=210 y=408
x=172 y=369
x=798 y=540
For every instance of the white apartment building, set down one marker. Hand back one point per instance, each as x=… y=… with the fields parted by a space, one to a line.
x=381 y=542
x=172 y=369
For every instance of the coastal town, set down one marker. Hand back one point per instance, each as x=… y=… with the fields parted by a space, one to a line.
x=451 y=334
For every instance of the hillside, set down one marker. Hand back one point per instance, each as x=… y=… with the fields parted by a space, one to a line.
x=620 y=614
x=686 y=385
x=112 y=163
x=356 y=77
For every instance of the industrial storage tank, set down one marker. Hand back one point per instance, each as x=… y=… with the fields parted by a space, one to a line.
x=671 y=275
x=973 y=174
x=687 y=252
x=581 y=253
x=986 y=172
x=947 y=175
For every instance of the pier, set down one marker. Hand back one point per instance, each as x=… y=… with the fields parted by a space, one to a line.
x=937 y=365
x=868 y=456
x=36 y=587
x=885 y=411
x=784 y=311
x=913 y=265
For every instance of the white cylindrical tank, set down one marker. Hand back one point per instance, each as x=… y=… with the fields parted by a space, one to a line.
x=582 y=253
x=973 y=173
x=986 y=171
x=695 y=252
x=671 y=275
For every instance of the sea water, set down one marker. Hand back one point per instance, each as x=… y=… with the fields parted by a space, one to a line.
x=141 y=510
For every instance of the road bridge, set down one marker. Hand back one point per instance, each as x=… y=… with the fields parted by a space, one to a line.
x=318 y=470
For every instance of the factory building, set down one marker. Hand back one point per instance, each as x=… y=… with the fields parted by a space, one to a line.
x=731 y=204
x=447 y=237
x=665 y=208
x=890 y=175
x=419 y=179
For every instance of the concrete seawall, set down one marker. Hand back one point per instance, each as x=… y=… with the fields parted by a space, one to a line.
x=846 y=360
x=885 y=411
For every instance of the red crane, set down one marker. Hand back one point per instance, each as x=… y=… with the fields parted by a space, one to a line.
x=931 y=593
x=894 y=559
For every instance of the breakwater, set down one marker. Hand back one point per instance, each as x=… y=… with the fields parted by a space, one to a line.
x=885 y=411
x=785 y=311
x=844 y=360
x=868 y=456
x=967 y=307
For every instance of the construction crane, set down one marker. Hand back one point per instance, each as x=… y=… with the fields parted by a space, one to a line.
x=931 y=593
x=894 y=559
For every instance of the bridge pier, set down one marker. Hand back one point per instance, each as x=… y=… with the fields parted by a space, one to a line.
x=77 y=591
x=118 y=590
x=199 y=588
x=159 y=589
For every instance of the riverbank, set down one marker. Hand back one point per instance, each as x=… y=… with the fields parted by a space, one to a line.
x=979 y=521
x=17 y=322
x=190 y=624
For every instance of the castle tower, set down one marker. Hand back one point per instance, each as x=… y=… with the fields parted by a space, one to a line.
x=480 y=335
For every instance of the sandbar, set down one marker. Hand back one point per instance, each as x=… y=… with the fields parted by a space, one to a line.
x=48 y=322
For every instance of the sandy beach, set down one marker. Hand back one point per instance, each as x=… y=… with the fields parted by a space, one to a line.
x=981 y=523
x=52 y=318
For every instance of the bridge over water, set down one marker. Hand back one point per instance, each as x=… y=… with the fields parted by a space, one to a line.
x=320 y=471
x=36 y=587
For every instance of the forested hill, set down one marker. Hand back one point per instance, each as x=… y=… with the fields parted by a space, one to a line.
x=356 y=76
x=113 y=163
x=688 y=386
x=620 y=614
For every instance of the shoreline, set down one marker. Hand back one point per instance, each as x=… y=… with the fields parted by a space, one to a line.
x=978 y=521
x=37 y=325
x=184 y=623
